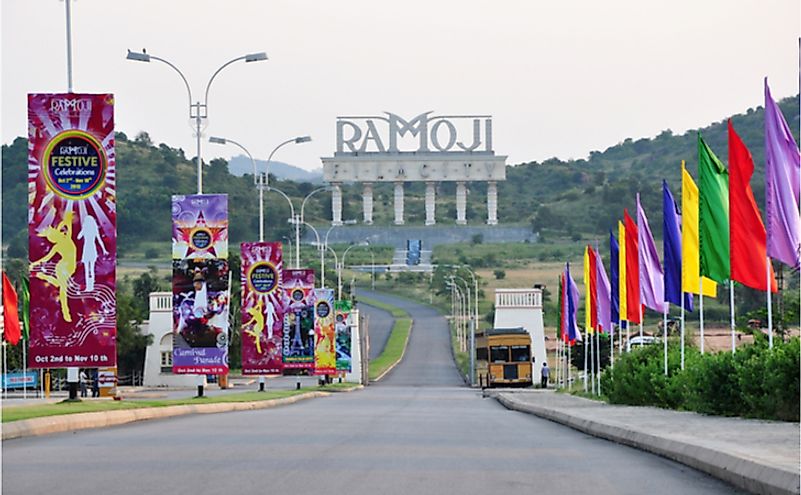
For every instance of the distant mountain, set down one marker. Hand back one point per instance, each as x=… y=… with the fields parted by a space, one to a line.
x=241 y=165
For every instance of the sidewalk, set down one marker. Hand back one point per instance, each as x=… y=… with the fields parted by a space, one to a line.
x=759 y=456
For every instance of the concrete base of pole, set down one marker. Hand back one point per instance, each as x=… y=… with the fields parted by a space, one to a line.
x=297 y=385
x=200 y=390
x=261 y=384
x=73 y=388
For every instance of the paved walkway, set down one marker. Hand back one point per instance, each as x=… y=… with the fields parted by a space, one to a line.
x=761 y=456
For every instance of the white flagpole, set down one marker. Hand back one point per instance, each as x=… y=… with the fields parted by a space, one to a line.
x=701 y=309
x=557 y=364
x=586 y=333
x=731 y=311
x=620 y=337
x=612 y=347
x=569 y=354
x=641 y=339
x=598 y=354
x=664 y=334
x=682 y=330
x=24 y=370
x=592 y=363
x=5 y=370
x=770 y=306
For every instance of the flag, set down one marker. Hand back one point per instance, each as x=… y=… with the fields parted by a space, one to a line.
x=782 y=169
x=559 y=304
x=614 y=278
x=713 y=214
x=621 y=282
x=11 y=330
x=603 y=296
x=572 y=294
x=671 y=248
x=652 y=279
x=747 y=233
x=690 y=270
x=632 y=270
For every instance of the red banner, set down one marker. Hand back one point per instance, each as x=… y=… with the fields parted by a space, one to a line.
x=262 y=308
x=72 y=230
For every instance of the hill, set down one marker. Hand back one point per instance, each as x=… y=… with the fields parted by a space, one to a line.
x=241 y=165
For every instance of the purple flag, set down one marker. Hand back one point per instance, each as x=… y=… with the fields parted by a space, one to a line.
x=782 y=170
x=652 y=279
x=573 y=332
x=604 y=294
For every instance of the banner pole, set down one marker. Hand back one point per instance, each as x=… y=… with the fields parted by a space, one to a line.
x=770 y=306
x=701 y=310
x=69 y=46
x=731 y=311
x=569 y=354
x=682 y=330
x=598 y=355
x=24 y=370
x=612 y=346
x=641 y=318
x=586 y=334
x=665 y=335
x=592 y=361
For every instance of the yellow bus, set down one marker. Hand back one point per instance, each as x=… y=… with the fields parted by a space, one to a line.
x=503 y=357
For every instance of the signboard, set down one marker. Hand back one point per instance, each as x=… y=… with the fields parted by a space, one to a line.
x=344 y=342
x=325 y=361
x=72 y=230
x=262 y=308
x=21 y=380
x=298 y=336
x=200 y=284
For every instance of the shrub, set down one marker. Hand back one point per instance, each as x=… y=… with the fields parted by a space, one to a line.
x=499 y=274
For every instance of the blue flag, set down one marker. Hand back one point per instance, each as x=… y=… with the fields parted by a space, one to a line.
x=614 y=276
x=671 y=235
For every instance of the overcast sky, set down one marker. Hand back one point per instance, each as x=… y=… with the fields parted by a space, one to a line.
x=560 y=77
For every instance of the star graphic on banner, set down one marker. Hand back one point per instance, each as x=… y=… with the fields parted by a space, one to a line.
x=200 y=237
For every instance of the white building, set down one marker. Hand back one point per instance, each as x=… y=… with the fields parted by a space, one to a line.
x=523 y=308
x=158 y=355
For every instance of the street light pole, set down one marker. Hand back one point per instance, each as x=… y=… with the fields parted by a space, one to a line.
x=197 y=110
x=299 y=220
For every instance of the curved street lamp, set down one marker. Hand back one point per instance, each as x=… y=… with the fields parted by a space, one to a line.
x=197 y=111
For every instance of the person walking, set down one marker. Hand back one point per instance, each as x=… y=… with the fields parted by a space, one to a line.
x=546 y=372
x=83 y=378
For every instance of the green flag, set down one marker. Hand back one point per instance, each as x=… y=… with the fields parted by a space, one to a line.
x=713 y=214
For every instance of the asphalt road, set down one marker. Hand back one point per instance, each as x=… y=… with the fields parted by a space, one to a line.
x=419 y=432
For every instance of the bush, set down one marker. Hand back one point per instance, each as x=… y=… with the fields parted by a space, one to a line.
x=755 y=382
x=499 y=274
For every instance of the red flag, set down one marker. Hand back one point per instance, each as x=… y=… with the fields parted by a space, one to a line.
x=747 y=233
x=632 y=270
x=11 y=329
x=593 y=289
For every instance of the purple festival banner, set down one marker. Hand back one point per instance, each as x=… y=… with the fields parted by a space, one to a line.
x=72 y=232
x=262 y=308
x=298 y=337
x=200 y=284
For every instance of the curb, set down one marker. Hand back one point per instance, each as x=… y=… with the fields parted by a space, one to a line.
x=746 y=474
x=101 y=419
x=403 y=353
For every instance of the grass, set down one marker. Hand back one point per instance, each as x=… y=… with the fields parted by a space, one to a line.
x=393 y=310
x=18 y=413
x=396 y=343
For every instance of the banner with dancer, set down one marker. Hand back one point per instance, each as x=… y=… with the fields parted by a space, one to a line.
x=298 y=336
x=342 y=311
x=72 y=233
x=200 y=284
x=262 y=308
x=325 y=356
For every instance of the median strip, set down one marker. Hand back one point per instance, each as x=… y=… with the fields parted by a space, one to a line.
x=397 y=342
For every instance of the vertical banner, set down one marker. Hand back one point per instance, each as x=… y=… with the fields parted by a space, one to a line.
x=342 y=310
x=200 y=284
x=298 y=337
x=325 y=356
x=262 y=308
x=72 y=234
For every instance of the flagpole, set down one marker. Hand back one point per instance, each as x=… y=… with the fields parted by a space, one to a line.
x=569 y=355
x=586 y=333
x=620 y=337
x=557 y=364
x=598 y=354
x=612 y=347
x=5 y=369
x=592 y=364
x=682 y=330
x=641 y=343
x=701 y=309
x=628 y=335
x=664 y=334
x=770 y=305
x=731 y=310
x=24 y=370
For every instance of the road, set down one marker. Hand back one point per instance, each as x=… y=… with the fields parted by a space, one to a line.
x=418 y=432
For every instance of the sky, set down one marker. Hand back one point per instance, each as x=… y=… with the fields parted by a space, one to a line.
x=560 y=78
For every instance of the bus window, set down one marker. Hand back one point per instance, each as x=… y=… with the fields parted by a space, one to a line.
x=481 y=353
x=499 y=354
x=520 y=353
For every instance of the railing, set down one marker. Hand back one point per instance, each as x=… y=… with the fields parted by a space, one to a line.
x=160 y=302
x=518 y=298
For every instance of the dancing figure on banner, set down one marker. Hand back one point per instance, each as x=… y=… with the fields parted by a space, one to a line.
x=90 y=234
x=200 y=324
x=256 y=324
x=63 y=246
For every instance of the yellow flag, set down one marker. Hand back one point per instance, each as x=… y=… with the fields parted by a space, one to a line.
x=621 y=258
x=587 y=294
x=691 y=266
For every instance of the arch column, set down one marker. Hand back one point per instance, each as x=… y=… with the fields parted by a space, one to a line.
x=336 y=204
x=367 y=202
x=461 y=203
x=431 y=196
x=492 y=203
x=399 y=203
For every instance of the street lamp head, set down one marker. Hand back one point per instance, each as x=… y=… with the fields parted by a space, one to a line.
x=139 y=57
x=255 y=57
x=302 y=139
x=217 y=140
